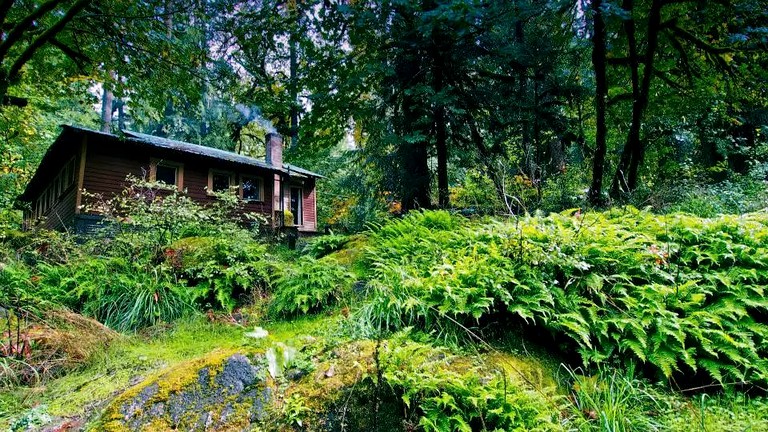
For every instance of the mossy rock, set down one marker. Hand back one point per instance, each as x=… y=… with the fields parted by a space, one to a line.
x=221 y=391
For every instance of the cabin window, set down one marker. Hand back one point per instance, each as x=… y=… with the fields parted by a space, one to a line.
x=166 y=174
x=252 y=189
x=220 y=181
x=169 y=173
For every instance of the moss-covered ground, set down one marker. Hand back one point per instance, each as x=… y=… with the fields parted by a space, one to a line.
x=326 y=371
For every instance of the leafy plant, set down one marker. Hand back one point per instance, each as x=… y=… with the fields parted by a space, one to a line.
x=219 y=269
x=295 y=410
x=308 y=284
x=614 y=401
x=677 y=294
x=440 y=396
x=325 y=245
x=127 y=297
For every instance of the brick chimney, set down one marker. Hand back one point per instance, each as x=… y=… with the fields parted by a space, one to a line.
x=274 y=147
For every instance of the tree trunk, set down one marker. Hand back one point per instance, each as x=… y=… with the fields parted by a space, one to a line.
x=625 y=178
x=601 y=94
x=293 y=79
x=107 y=105
x=441 y=136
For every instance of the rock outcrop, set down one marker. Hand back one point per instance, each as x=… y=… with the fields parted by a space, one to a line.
x=222 y=391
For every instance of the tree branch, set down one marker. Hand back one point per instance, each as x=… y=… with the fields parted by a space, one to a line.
x=5 y=7
x=78 y=57
x=698 y=43
x=46 y=37
x=663 y=76
x=18 y=30
x=618 y=98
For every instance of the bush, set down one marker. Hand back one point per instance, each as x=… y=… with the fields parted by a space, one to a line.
x=308 y=284
x=219 y=269
x=676 y=293
x=322 y=246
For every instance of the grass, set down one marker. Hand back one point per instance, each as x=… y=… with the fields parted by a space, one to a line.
x=130 y=358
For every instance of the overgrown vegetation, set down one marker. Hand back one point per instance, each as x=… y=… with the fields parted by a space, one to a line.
x=675 y=294
x=649 y=302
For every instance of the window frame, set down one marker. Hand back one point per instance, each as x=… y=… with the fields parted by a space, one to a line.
x=243 y=178
x=213 y=171
x=178 y=166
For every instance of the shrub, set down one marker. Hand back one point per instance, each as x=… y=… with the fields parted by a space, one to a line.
x=308 y=284
x=325 y=245
x=219 y=269
x=676 y=293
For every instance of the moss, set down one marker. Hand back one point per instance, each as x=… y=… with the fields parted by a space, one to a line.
x=351 y=255
x=137 y=356
x=174 y=380
x=524 y=370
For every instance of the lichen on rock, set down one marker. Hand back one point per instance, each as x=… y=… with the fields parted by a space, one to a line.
x=221 y=391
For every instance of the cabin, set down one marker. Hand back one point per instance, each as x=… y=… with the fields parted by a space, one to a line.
x=83 y=159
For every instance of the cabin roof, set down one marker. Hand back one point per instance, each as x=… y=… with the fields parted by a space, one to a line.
x=167 y=144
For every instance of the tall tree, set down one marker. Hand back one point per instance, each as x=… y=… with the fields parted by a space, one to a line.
x=601 y=96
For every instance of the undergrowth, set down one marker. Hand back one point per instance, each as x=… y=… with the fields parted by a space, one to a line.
x=675 y=294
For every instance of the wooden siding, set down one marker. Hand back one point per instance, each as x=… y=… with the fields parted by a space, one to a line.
x=63 y=211
x=105 y=174
x=308 y=207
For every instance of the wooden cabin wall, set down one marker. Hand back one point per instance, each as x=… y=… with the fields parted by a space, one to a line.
x=107 y=168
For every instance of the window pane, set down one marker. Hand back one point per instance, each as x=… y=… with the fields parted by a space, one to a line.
x=220 y=182
x=251 y=189
x=166 y=174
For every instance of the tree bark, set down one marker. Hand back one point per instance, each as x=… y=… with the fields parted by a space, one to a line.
x=293 y=84
x=107 y=104
x=601 y=95
x=626 y=176
x=441 y=135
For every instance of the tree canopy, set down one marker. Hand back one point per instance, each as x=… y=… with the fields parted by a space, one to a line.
x=504 y=106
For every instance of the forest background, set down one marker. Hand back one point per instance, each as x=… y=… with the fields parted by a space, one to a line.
x=493 y=107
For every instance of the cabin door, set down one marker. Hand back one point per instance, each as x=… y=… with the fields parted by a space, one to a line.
x=296 y=205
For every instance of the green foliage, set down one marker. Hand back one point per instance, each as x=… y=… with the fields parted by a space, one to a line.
x=322 y=246
x=32 y=419
x=677 y=293
x=294 y=410
x=443 y=396
x=149 y=210
x=742 y=193
x=219 y=269
x=308 y=284
x=126 y=296
x=615 y=402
